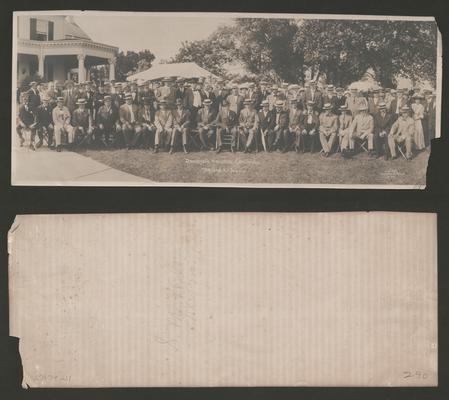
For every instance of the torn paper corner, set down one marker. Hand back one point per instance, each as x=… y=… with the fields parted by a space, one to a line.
x=226 y=299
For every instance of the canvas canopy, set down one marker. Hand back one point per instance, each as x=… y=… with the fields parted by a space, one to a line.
x=184 y=70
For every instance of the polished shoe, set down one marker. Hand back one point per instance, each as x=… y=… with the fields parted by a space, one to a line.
x=185 y=149
x=171 y=150
x=156 y=150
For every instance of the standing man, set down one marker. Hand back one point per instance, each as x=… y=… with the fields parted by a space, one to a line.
x=226 y=122
x=205 y=119
x=430 y=114
x=61 y=123
x=267 y=122
x=383 y=121
x=328 y=129
x=281 y=132
x=373 y=102
x=69 y=95
x=235 y=100
x=402 y=131
x=128 y=114
x=352 y=101
x=248 y=125
x=340 y=100
x=313 y=94
x=163 y=121
x=181 y=125
x=34 y=98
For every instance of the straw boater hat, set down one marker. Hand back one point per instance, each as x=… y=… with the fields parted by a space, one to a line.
x=107 y=98
x=265 y=103
x=60 y=99
x=327 y=106
x=247 y=101
x=279 y=103
x=81 y=101
x=128 y=96
x=343 y=107
x=362 y=107
x=162 y=102
x=207 y=102
x=310 y=103
x=405 y=109
x=418 y=96
x=382 y=106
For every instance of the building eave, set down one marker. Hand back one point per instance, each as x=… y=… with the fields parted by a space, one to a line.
x=67 y=43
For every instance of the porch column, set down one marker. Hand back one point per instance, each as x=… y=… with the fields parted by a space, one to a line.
x=40 y=69
x=81 y=68
x=112 y=62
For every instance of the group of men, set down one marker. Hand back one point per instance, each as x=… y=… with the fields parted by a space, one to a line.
x=175 y=113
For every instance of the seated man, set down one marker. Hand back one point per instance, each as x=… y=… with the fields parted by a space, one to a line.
x=281 y=132
x=145 y=128
x=248 y=125
x=107 y=122
x=181 y=125
x=362 y=127
x=344 y=125
x=295 y=123
x=61 y=124
x=128 y=117
x=26 y=121
x=383 y=120
x=226 y=122
x=205 y=119
x=328 y=129
x=267 y=123
x=82 y=124
x=310 y=124
x=163 y=120
x=44 y=122
x=402 y=131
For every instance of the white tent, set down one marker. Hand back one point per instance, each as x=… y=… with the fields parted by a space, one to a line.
x=184 y=70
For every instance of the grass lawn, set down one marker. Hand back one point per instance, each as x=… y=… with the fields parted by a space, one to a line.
x=289 y=168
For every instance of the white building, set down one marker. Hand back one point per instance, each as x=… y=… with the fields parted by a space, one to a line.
x=56 y=48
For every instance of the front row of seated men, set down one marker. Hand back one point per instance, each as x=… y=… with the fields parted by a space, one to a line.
x=280 y=129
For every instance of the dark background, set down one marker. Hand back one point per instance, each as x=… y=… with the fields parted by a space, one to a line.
x=30 y=200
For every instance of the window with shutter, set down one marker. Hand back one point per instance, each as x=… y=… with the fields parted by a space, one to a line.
x=33 y=32
x=51 y=29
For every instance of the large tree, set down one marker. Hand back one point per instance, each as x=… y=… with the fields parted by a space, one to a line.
x=266 y=47
x=345 y=49
x=132 y=62
x=212 y=53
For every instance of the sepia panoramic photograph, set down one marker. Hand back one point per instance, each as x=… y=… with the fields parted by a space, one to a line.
x=222 y=99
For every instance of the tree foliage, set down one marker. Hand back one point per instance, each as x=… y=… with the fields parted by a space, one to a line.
x=132 y=62
x=212 y=53
x=344 y=50
x=266 y=47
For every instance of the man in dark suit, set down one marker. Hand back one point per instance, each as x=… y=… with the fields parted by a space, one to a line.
x=340 y=100
x=281 y=131
x=106 y=120
x=34 y=99
x=330 y=98
x=26 y=121
x=383 y=121
x=205 y=122
x=310 y=128
x=181 y=125
x=44 y=121
x=69 y=95
x=226 y=122
x=128 y=114
x=429 y=117
x=314 y=95
x=267 y=122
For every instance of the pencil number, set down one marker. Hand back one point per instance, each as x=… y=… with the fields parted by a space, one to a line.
x=414 y=374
